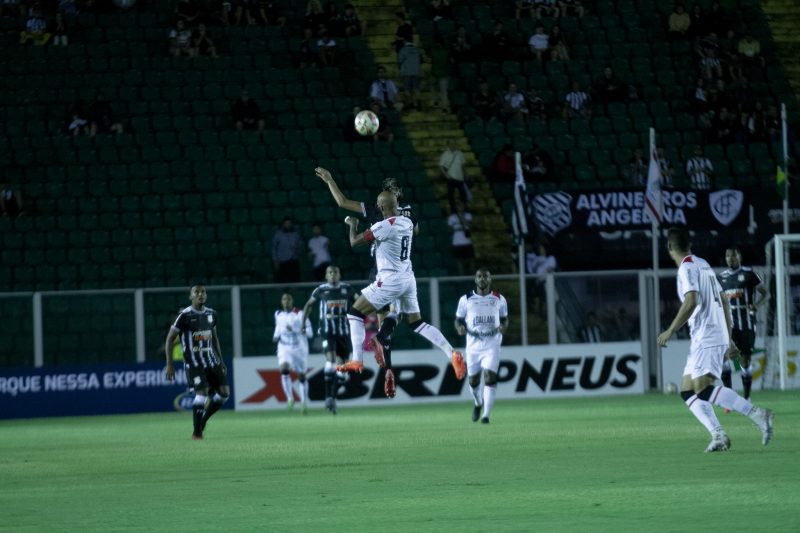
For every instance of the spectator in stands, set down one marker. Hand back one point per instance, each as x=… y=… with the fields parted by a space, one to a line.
x=525 y=8
x=722 y=127
x=78 y=123
x=497 y=45
x=350 y=22
x=710 y=65
x=559 y=48
x=698 y=27
x=609 y=88
x=745 y=96
x=485 y=102
x=314 y=16
x=459 y=222
x=326 y=45
x=60 y=30
x=667 y=170
x=573 y=8
x=546 y=8
x=188 y=11
x=409 y=60
x=404 y=32
x=384 y=132
x=11 y=203
x=699 y=170
x=537 y=165
x=540 y=263
x=504 y=166
x=536 y=106
x=269 y=14
x=592 y=331
x=180 y=40
x=319 y=251
x=774 y=124
x=637 y=169
x=306 y=57
x=515 y=108
x=202 y=43
x=102 y=117
x=757 y=124
x=14 y=8
x=439 y=10
x=719 y=97
x=717 y=20
x=333 y=20
x=451 y=164
x=539 y=44
x=750 y=52
x=462 y=46
x=440 y=77
x=577 y=103
x=35 y=28
x=679 y=23
x=246 y=113
x=384 y=91
x=699 y=99
x=286 y=246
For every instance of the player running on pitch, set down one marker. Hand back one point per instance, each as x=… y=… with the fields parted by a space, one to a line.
x=482 y=316
x=395 y=283
x=292 y=332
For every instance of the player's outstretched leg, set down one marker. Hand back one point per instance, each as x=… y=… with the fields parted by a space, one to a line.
x=702 y=409
x=357 y=334
x=436 y=338
x=729 y=399
x=286 y=383
x=381 y=343
x=215 y=403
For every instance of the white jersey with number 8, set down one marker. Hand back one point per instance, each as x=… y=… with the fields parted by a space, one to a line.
x=707 y=325
x=392 y=237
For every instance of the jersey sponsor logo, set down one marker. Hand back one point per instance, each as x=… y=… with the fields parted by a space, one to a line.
x=478 y=320
x=726 y=205
x=202 y=335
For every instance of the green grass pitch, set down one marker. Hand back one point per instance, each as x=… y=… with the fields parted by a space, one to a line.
x=607 y=464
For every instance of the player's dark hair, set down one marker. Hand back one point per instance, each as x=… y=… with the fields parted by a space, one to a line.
x=483 y=268
x=678 y=239
x=733 y=247
x=390 y=185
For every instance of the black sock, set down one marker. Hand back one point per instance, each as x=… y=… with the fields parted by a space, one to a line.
x=330 y=385
x=212 y=408
x=747 y=383
x=387 y=355
x=387 y=328
x=197 y=418
x=726 y=378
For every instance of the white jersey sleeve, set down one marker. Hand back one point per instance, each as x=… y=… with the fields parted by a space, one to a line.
x=461 y=310
x=707 y=325
x=503 y=307
x=277 y=333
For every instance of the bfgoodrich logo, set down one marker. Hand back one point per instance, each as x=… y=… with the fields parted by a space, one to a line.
x=726 y=205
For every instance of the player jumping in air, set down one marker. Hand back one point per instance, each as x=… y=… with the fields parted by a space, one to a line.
x=395 y=283
x=482 y=316
x=202 y=359
x=292 y=332
x=708 y=314
x=334 y=297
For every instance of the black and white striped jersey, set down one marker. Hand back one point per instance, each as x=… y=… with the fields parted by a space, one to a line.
x=739 y=287
x=196 y=329
x=333 y=302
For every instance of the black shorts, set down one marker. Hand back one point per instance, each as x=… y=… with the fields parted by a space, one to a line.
x=338 y=344
x=212 y=379
x=745 y=340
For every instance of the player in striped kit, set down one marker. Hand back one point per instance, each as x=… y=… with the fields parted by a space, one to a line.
x=292 y=349
x=740 y=285
x=708 y=315
x=482 y=316
x=334 y=297
x=205 y=370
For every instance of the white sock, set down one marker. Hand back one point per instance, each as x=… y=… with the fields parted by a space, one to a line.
x=746 y=371
x=704 y=412
x=286 y=381
x=357 y=334
x=303 y=390
x=476 y=393
x=436 y=338
x=728 y=399
x=330 y=367
x=726 y=365
x=488 y=399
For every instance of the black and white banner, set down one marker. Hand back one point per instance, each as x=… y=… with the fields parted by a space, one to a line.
x=425 y=376
x=611 y=210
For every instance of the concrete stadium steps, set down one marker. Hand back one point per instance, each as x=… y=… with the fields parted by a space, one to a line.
x=429 y=130
x=783 y=17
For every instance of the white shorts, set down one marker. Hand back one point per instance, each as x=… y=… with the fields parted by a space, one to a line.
x=397 y=289
x=702 y=361
x=478 y=360
x=296 y=358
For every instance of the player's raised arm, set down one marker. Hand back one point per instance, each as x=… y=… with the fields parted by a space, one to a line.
x=341 y=200
x=357 y=239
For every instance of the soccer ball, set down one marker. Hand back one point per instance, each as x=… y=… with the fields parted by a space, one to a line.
x=366 y=123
